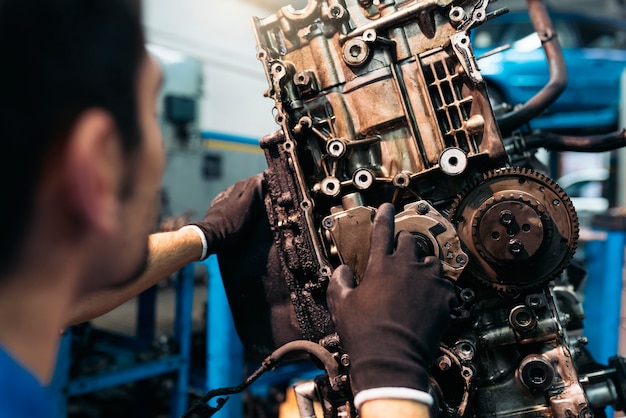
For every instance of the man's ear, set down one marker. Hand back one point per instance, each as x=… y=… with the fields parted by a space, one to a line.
x=94 y=170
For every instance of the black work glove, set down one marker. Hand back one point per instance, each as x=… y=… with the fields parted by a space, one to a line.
x=232 y=214
x=392 y=323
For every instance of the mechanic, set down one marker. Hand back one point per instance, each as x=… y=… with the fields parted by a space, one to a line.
x=78 y=120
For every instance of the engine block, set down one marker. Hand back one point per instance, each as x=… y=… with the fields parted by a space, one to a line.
x=383 y=101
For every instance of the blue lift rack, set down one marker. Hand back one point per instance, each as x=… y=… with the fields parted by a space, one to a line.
x=603 y=288
x=64 y=387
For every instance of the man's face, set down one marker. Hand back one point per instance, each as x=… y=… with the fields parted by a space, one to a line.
x=140 y=208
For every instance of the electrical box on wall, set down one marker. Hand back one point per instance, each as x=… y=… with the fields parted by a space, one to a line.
x=181 y=112
x=179 y=99
x=199 y=164
x=179 y=115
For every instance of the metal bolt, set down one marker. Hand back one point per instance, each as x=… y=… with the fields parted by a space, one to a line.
x=444 y=363
x=535 y=301
x=465 y=350
x=506 y=217
x=336 y=148
x=467 y=295
x=345 y=360
x=422 y=208
x=328 y=222
x=516 y=247
x=461 y=259
x=457 y=14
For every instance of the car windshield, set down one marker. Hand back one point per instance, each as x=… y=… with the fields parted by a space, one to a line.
x=519 y=34
x=594 y=35
x=489 y=35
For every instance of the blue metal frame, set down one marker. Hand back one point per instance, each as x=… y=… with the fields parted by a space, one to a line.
x=63 y=387
x=224 y=360
x=603 y=296
x=235 y=139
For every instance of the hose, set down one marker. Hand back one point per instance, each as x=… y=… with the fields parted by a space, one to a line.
x=200 y=408
x=556 y=64
x=593 y=143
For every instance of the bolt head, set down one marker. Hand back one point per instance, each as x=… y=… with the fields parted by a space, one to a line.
x=516 y=247
x=422 y=208
x=444 y=363
x=506 y=217
x=345 y=360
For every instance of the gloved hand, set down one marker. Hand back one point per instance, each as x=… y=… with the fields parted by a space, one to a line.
x=392 y=323
x=232 y=214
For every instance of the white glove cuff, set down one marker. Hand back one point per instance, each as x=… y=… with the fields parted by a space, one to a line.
x=392 y=393
x=205 y=245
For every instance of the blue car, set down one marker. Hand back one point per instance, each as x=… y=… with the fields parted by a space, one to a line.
x=594 y=49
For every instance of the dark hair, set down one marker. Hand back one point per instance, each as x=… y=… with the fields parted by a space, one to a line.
x=57 y=59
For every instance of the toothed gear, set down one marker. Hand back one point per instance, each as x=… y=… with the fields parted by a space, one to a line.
x=519 y=227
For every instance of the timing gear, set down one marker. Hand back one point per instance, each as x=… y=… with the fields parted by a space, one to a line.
x=516 y=217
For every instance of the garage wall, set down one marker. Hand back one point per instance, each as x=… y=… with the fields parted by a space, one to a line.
x=232 y=108
x=218 y=33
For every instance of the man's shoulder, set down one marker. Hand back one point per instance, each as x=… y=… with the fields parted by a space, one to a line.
x=21 y=394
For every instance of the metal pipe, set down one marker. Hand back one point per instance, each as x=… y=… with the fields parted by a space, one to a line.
x=556 y=64
x=323 y=355
x=593 y=143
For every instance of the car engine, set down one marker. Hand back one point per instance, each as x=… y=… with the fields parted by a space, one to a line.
x=383 y=101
